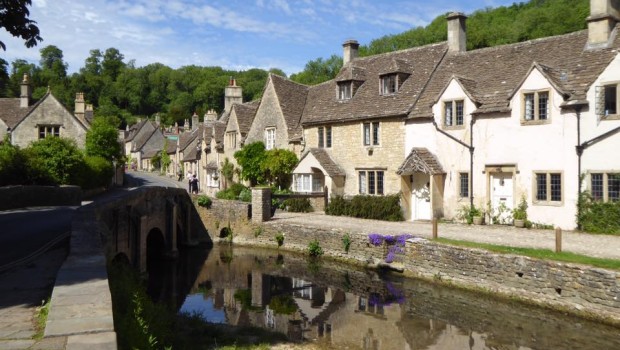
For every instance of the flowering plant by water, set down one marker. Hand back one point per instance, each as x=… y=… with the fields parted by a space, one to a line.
x=395 y=245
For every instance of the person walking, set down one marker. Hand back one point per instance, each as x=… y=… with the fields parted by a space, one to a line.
x=194 y=185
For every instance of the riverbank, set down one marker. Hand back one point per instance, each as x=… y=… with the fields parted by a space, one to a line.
x=582 y=290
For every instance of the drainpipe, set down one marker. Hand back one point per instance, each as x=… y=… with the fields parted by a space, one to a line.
x=471 y=153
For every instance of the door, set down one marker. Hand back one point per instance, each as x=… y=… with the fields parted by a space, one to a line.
x=421 y=197
x=502 y=192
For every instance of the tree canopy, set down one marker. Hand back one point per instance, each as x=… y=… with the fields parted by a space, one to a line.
x=102 y=139
x=14 y=18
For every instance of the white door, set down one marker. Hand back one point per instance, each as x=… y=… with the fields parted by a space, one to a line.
x=502 y=191
x=421 y=197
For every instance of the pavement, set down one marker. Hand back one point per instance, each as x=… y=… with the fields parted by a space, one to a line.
x=81 y=283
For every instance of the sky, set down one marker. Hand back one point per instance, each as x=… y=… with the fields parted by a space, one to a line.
x=232 y=34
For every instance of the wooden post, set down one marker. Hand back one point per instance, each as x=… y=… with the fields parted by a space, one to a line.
x=434 y=228
x=325 y=201
x=558 y=240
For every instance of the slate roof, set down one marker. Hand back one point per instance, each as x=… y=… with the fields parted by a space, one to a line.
x=420 y=160
x=142 y=138
x=133 y=130
x=245 y=113
x=11 y=113
x=493 y=75
x=292 y=99
x=326 y=161
x=419 y=63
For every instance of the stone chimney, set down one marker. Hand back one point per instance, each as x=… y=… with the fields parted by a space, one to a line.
x=157 y=119
x=210 y=116
x=80 y=106
x=349 y=51
x=26 y=92
x=186 y=125
x=604 y=14
x=232 y=94
x=194 y=121
x=457 y=33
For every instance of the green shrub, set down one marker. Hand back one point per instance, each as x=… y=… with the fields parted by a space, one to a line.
x=204 y=201
x=598 y=217
x=231 y=193
x=314 y=248
x=97 y=172
x=60 y=157
x=245 y=195
x=298 y=205
x=280 y=239
x=367 y=207
x=466 y=213
x=346 y=242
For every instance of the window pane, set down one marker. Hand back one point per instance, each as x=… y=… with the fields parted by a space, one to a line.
x=464 y=185
x=556 y=187
x=371 y=182
x=529 y=107
x=328 y=136
x=41 y=132
x=56 y=131
x=596 y=184
x=448 y=113
x=379 y=182
x=613 y=187
x=375 y=133
x=320 y=132
x=459 y=112
x=543 y=99
x=610 y=99
x=317 y=183
x=541 y=187
x=366 y=134
x=362 y=182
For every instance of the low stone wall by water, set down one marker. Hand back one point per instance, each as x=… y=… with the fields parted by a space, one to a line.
x=578 y=289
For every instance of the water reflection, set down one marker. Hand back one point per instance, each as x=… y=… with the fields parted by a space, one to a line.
x=339 y=306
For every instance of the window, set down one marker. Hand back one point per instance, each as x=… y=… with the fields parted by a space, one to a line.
x=371 y=182
x=549 y=187
x=344 y=90
x=270 y=138
x=535 y=106
x=49 y=130
x=389 y=84
x=605 y=186
x=371 y=134
x=607 y=101
x=464 y=185
x=453 y=113
x=325 y=136
x=307 y=182
x=231 y=139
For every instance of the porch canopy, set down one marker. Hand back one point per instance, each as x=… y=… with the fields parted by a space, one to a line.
x=420 y=160
x=318 y=158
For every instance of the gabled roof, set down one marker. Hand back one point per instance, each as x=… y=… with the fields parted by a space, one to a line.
x=142 y=137
x=190 y=153
x=292 y=99
x=245 y=113
x=499 y=70
x=11 y=113
x=420 y=160
x=325 y=160
x=323 y=105
x=133 y=130
x=351 y=72
x=555 y=77
x=468 y=86
x=186 y=138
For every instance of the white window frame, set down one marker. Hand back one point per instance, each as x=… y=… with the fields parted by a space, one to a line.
x=389 y=84
x=371 y=182
x=231 y=139
x=452 y=119
x=548 y=200
x=460 y=188
x=307 y=183
x=270 y=138
x=48 y=131
x=605 y=100
x=530 y=111
x=324 y=134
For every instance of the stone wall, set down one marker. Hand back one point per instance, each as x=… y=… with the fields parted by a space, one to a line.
x=12 y=197
x=577 y=289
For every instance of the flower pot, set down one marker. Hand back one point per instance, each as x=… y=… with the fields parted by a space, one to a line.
x=478 y=220
x=519 y=223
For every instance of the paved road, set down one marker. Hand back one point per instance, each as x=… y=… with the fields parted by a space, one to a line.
x=29 y=231
x=137 y=178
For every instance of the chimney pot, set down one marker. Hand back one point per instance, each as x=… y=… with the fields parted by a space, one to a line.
x=604 y=14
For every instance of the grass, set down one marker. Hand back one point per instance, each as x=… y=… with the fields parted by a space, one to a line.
x=41 y=318
x=545 y=254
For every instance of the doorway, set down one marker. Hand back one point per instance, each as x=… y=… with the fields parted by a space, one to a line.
x=421 y=197
x=502 y=197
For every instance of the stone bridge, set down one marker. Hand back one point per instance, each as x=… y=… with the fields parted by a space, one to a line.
x=147 y=224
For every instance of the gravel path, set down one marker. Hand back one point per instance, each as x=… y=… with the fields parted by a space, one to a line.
x=600 y=246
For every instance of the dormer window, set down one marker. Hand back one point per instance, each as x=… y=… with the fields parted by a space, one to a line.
x=535 y=107
x=389 y=84
x=607 y=97
x=345 y=90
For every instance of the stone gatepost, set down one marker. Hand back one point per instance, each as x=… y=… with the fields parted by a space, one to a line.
x=261 y=204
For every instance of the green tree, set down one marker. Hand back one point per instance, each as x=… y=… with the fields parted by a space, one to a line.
x=14 y=18
x=228 y=172
x=102 y=139
x=278 y=166
x=112 y=63
x=164 y=157
x=4 y=78
x=60 y=157
x=250 y=159
x=319 y=70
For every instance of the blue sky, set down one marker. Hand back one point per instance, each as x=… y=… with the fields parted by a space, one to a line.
x=233 y=34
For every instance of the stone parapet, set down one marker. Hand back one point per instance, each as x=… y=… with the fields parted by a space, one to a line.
x=261 y=204
x=13 y=197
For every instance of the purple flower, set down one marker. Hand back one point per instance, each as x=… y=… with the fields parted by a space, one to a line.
x=375 y=239
x=389 y=239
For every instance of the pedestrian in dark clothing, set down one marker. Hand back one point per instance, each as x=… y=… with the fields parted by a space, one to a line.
x=194 y=184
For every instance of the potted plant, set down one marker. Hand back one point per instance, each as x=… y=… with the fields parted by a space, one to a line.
x=519 y=214
x=477 y=215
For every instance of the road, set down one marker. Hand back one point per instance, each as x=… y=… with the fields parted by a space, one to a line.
x=135 y=179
